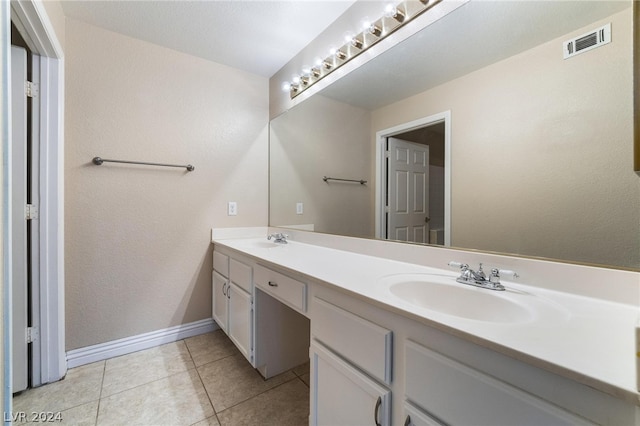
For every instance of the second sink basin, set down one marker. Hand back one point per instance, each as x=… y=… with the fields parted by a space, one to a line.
x=460 y=300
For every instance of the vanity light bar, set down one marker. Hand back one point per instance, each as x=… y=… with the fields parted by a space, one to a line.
x=395 y=17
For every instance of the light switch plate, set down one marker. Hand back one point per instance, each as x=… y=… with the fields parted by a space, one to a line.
x=299 y=208
x=232 y=208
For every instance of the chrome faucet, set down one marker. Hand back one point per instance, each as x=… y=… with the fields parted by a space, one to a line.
x=278 y=238
x=479 y=278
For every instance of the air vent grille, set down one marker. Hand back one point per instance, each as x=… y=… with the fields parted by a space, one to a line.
x=586 y=42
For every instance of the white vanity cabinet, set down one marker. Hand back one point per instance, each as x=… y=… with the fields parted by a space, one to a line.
x=456 y=394
x=341 y=395
x=351 y=366
x=375 y=364
x=414 y=416
x=232 y=303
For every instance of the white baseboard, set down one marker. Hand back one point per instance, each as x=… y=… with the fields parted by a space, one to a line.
x=102 y=351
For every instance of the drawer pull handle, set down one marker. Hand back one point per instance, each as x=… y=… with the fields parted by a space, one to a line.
x=407 y=421
x=376 y=411
x=273 y=284
x=224 y=288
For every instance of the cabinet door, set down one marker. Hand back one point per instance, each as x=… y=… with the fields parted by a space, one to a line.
x=219 y=302
x=458 y=394
x=240 y=316
x=342 y=395
x=415 y=417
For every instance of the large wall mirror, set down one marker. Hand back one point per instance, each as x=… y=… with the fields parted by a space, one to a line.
x=502 y=144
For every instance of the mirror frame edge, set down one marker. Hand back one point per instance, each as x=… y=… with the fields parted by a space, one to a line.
x=636 y=87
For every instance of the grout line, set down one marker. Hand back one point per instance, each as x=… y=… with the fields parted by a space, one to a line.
x=215 y=413
x=265 y=391
x=104 y=372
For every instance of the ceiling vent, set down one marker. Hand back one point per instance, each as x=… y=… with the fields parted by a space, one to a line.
x=586 y=42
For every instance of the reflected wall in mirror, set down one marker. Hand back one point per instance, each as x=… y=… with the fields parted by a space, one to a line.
x=541 y=157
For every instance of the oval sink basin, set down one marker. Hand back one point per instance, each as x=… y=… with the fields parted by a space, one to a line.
x=459 y=300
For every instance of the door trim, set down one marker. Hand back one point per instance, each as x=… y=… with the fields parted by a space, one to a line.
x=32 y=21
x=381 y=175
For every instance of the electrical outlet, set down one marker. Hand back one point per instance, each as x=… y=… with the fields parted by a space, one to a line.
x=299 y=208
x=232 y=208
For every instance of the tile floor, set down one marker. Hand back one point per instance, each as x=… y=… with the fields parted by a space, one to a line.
x=202 y=380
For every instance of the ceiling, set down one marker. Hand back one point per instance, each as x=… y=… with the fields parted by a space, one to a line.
x=258 y=36
x=474 y=36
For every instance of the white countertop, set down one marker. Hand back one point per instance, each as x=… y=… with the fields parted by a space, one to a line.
x=582 y=338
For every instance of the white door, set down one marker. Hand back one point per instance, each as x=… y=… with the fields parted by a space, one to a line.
x=219 y=303
x=343 y=396
x=240 y=319
x=408 y=191
x=18 y=237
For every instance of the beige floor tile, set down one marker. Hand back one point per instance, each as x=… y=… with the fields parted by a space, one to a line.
x=128 y=371
x=83 y=415
x=81 y=385
x=305 y=378
x=211 y=421
x=302 y=369
x=176 y=400
x=285 y=405
x=232 y=380
x=210 y=347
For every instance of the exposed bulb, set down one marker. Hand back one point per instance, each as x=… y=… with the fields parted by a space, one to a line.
x=375 y=30
x=286 y=86
x=393 y=12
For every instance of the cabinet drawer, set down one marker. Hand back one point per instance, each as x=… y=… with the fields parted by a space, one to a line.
x=221 y=263
x=364 y=343
x=241 y=275
x=288 y=290
x=441 y=386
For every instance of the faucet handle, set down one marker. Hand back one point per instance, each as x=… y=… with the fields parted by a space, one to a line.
x=513 y=274
x=496 y=273
x=458 y=265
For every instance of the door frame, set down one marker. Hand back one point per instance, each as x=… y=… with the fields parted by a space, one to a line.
x=381 y=171
x=31 y=19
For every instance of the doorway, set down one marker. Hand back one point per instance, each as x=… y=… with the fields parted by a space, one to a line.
x=22 y=108
x=47 y=193
x=413 y=174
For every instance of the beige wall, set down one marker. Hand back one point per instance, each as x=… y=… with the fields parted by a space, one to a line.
x=542 y=152
x=322 y=137
x=57 y=18
x=138 y=252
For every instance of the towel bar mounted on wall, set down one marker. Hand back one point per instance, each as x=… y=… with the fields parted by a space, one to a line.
x=98 y=161
x=360 y=181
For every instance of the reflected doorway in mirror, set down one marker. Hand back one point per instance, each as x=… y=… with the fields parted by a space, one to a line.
x=413 y=177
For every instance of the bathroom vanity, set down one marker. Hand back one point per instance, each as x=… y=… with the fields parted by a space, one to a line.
x=402 y=343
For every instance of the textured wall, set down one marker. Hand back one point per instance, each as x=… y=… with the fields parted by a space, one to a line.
x=542 y=152
x=322 y=137
x=138 y=253
x=56 y=16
